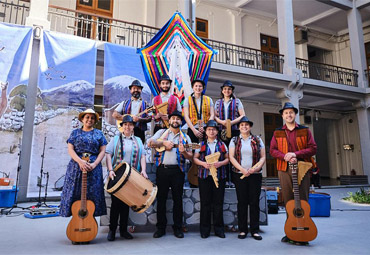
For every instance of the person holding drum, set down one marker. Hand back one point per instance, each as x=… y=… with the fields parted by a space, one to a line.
x=170 y=172
x=211 y=178
x=85 y=140
x=165 y=96
x=134 y=106
x=123 y=148
x=247 y=154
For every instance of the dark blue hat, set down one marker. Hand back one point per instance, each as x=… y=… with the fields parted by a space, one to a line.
x=127 y=118
x=211 y=123
x=245 y=119
x=288 y=105
x=198 y=80
x=176 y=113
x=135 y=83
x=228 y=84
x=165 y=77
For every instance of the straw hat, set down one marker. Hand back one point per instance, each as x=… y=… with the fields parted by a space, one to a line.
x=82 y=114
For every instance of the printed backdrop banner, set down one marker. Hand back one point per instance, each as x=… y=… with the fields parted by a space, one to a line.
x=66 y=86
x=15 y=58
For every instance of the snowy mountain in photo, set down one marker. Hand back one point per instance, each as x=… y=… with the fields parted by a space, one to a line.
x=116 y=90
x=74 y=93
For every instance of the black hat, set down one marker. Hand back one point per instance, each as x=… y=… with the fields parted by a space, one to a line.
x=127 y=118
x=228 y=84
x=175 y=113
x=165 y=77
x=245 y=119
x=211 y=123
x=136 y=83
x=198 y=80
x=288 y=105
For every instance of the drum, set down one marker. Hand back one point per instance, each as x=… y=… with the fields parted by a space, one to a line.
x=132 y=188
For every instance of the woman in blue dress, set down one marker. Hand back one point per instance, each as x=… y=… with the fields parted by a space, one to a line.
x=90 y=140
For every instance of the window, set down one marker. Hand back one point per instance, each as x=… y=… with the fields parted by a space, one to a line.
x=94 y=26
x=201 y=28
x=367 y=52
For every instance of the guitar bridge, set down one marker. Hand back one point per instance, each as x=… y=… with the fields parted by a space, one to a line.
x=82 y=229
x=300 y=228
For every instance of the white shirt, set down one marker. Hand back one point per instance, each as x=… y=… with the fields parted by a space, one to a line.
x=135 y=106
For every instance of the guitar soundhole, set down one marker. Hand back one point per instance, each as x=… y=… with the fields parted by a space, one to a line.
x=82 y=213
x=298 y=212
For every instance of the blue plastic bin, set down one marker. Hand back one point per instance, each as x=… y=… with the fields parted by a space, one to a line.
x=320 y=205
x=7 y=197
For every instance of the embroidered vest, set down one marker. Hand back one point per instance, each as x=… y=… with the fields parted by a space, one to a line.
x=172 y=103
x=127 y=110
x=232 y=109
x=206 y=110
x=204 y=151
x=119 y=152
x=180 y=158
x=282 y=143
x=256 y=150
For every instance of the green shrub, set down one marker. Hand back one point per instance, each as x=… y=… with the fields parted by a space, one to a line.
x=360 y=196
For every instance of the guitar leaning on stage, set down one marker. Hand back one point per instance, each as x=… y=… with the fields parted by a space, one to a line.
x=298 y=226
x=83 y=226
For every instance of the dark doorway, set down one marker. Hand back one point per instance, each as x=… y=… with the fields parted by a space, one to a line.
x=320 y=128
x=271 y=121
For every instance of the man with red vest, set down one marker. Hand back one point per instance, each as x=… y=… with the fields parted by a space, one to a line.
x=173 y=102
x=292 y=143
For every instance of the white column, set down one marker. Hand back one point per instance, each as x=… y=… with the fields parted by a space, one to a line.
x=236 y=27
x=356 y=37
x=151 y=13
x=185 y=7
x=363 y=116
x=290 y=95
x=38 y=16
x=286 y=34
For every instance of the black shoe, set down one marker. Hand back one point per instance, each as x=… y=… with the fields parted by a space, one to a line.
x=256 y=236
x=111 y=235
x=285 y=239
x=220 y=235
x=126 y=235
x=240 y=236
x=159 y=233
x=178 y=233
x=204 y=236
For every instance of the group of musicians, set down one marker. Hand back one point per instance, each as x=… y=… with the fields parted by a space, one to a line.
x=221 y=157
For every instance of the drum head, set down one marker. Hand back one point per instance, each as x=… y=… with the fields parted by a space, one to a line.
x=119 y=171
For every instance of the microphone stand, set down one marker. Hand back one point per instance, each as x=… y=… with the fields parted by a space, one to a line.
x=39 y=203
x=15 y=204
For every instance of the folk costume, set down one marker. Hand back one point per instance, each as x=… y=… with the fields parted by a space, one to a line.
x=247 y=153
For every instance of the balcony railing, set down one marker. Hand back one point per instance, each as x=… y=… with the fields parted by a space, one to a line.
x=330 y=73
x=14 y=12
x=246 y=57
x=100 y=28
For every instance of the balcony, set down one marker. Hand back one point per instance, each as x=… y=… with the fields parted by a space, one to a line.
x=14 y=12
x=329 y=73
x=103 y=28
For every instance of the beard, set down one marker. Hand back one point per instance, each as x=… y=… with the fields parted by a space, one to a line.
x=166 y=89
x=136 y=94
x=174 y=125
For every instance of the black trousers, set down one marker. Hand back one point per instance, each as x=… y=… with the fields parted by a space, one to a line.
x=139 y=133
x=167 y=178
x=118 y=208
x=211 y=205
x=248 y=191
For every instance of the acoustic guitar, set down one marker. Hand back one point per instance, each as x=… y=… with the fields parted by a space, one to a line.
x=83 y=226
x=192 y=146
x=299 y=225
x=147 y=110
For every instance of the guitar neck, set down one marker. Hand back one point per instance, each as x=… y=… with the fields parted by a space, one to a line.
x=297 y=199
x=83 y=190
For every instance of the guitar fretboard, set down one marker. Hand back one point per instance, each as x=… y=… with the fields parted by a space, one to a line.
x=83 y=190
x=297 y=199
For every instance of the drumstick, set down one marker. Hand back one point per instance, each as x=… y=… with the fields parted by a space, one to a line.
x=255 y=166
